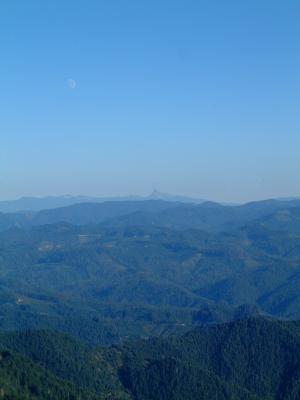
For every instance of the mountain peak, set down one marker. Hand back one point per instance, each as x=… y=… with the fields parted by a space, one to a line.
x=156 y=194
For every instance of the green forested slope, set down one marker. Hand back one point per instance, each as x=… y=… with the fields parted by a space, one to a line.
x=22 y=379
x=255 y=358
x=104 y=283
x=114 y=284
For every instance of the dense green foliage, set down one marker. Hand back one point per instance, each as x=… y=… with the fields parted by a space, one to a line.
x=254 y=359
x=258 y=356
x=22 y=379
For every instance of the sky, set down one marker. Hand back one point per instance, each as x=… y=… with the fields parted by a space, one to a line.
x=107 y=98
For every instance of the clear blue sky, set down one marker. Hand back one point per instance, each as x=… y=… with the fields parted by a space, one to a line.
x=194 y=97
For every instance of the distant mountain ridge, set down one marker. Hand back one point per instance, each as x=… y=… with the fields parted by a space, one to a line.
x=35 y=204
x=156 y=195
x=207 y=216
x=49 y=202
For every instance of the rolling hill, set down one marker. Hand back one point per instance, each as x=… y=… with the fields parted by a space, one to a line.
x=108 y=282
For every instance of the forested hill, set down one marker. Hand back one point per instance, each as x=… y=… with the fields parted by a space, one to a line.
x=106 y=283
x=116 y=273
x=255 y=359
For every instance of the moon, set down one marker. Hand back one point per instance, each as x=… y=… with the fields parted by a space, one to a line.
x=71 y=83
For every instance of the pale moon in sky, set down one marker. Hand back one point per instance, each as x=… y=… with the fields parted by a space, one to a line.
x=71 y=83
